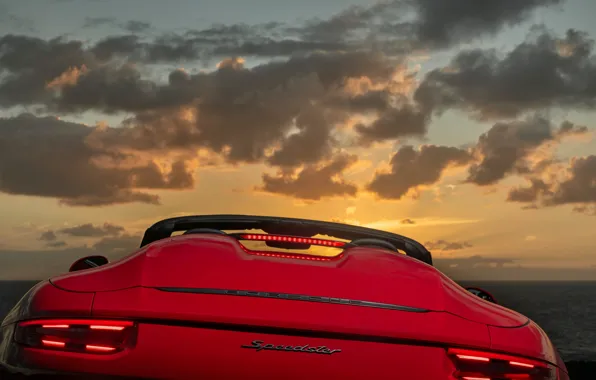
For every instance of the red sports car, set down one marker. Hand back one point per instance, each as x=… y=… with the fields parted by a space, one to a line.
x=233 y=296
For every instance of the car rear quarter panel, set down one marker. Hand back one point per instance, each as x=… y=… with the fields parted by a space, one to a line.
x=529 y=340
x=45 y=300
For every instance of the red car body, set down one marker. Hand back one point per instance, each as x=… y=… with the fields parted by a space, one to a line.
x=203 y=305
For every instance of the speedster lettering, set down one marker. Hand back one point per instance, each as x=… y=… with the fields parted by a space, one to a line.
x=259 y=345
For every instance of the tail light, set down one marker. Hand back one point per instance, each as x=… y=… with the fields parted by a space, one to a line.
x=293 y=239
x=478 y=365
x=291 y=242
x=77 y=335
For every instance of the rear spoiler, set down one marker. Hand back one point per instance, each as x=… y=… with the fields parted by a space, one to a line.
x=283 y=226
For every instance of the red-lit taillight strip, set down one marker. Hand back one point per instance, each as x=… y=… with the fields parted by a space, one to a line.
x=66 y=323
x=91 y=347
x=293 y=239
x=488 y=356
x=471 y=357
x=52 y=343
x=69 y=335
x=481 y=365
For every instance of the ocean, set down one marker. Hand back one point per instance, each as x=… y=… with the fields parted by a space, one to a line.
x=565 y=310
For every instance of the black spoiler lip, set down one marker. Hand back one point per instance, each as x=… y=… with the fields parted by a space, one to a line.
x=281 y=225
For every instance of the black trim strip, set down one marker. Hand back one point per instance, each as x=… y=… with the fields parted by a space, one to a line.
x=294 y=297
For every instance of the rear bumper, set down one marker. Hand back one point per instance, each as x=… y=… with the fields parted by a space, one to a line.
x=177 y=352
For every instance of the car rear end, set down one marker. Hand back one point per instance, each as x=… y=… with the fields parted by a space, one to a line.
x=209 y=306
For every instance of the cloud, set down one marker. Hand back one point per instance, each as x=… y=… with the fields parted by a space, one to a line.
x=289 y=113
x=507 y=146
x=580 y=186
x=310 y=144
x=408 y=221
x=33 y=62
x=531 y=193
x=117 y=245
x=586 y=209
x=411 y=169
x=59 y=163
x=132 y=26
x=238 y=112
x=422 y=23
x=404 y=120
x=244 y=115
x=441 y=24
x=51 y=240
x=313 y=182
x=57 y=244
x=48 y=236
x=94 y=22
x=393 y=225
x=110 y=238
x=552 y=71
x=476 y=261
x=135 y=26
x=574 y=185
x=90 y=230
x=443 y=245
x=393 y=26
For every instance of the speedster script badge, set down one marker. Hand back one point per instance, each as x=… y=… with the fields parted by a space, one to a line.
x=259 y=345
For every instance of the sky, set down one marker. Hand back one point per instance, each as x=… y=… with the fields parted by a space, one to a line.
x=465 y=125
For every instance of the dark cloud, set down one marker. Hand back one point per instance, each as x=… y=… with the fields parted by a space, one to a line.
x=31 y=63
x=34 y=62
x=587 y=210
x=314 y=182
x=48 y=157
x=443 y=245
x=577 y=186
x=422 y=23
x=133 y=26
x=234 y=111
x=405 y=120
x=544 y=71
x=580 y=186
x=408 y=221
x=411 y=169
x=526 y=194
x=506 y=147
x=90 y=230
x=285 y=112
x=310 y=144
x=305 y=80
x=57 y=244
x=48 y=236
x=477 y=261
x=352 y=22
x=94 y=22
x=117 y=245
x=442 y=23
x=112 y=47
